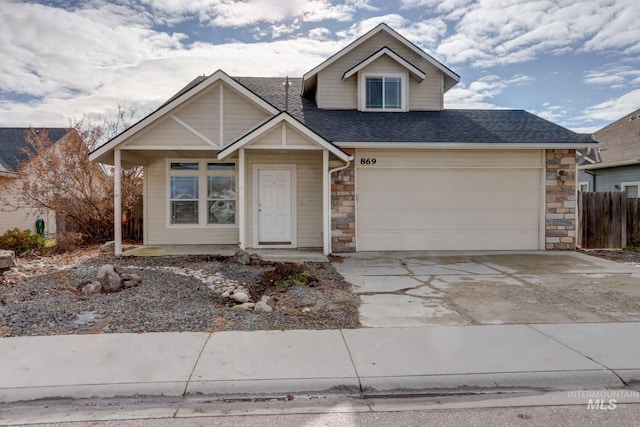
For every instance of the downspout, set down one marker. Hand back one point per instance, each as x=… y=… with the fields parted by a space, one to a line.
x=328 y=184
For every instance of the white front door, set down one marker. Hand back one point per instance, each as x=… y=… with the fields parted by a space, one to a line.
x=274 y=206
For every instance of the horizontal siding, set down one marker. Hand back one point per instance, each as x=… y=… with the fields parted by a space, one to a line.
x=585 y=177
x=156 y=216
x=451 y=158
x=273 y=137
x=607 y=179
x=240 y=115
x=334 y=93
x=13 y=215
x=308 y=193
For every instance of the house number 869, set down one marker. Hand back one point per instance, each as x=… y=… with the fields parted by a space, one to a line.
x=368 y=161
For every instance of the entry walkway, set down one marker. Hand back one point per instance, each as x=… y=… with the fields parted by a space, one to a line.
x=359 y=362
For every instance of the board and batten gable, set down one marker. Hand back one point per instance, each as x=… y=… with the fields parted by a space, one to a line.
x=202 y=117
x=334 y=93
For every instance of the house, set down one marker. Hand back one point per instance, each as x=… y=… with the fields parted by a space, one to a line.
x=615 y=165
x=358 y=154
x=13 y=213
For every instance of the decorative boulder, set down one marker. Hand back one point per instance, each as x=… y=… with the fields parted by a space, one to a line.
x=108 y=247
x=7 y=260
x=241 y=257
x=110 y=280
x=92 y=288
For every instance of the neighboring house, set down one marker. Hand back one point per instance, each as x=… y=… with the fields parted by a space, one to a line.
x=615 y=164
x=14 y=214
x=357 y=155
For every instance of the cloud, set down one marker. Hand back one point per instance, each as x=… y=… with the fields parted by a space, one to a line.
x=479 y=93
x=613 y=76
x=613 y=108
x=489 y=33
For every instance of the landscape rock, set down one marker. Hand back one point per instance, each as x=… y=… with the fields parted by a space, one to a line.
x=240 y=297
x=92 y=288
x=7 y=260
x=129 y=284
x=131 y=277
x=255 y=259
x=108 y=247
x=262 y=306
x=241 y=257
x=111 y=281
x=14 y=274
x=243 y=307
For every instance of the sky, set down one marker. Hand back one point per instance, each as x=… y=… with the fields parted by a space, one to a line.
x=574 y=62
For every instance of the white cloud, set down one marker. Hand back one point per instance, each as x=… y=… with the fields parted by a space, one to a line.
x=613 y=76
x=479 y=93
x=613 y=108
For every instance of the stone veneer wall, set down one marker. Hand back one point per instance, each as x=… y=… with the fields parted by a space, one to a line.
x=343 y=208
x=560 y=183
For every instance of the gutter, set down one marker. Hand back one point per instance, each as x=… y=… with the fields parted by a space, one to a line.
x=465 y=145
x=610 y=165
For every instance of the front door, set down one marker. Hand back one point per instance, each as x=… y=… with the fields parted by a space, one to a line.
x=274 y=206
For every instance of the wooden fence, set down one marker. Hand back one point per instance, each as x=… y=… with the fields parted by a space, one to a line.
x=607 y=220
x=132 y=226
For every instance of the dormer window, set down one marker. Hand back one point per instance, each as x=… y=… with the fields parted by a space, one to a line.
x=383 y=92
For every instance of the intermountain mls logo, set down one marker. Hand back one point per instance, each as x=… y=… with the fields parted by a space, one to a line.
x=605 y=400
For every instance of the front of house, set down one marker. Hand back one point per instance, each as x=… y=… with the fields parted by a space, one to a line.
x=357 y=155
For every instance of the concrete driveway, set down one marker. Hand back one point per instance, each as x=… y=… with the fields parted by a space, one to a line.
x=477 y=288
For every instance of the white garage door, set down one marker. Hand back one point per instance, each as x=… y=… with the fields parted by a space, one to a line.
x=448 y=200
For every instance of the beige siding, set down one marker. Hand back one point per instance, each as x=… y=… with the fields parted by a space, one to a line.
x=168 y=133
x=203 y=114
x=156 y=222
x=452 y=158
x=308 y=193
x=334 y=93
x=12 y=215
x=240 y=115
x=292 y=138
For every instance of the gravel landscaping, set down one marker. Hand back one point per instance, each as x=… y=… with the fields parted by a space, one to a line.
x=176 y=294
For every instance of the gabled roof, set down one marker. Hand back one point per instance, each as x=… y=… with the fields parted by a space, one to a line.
x=413 y=70
x=13 y=143
x=619 y=143
x=195 y=87
x=433 y=127
x=282 y=117
x=450 y=78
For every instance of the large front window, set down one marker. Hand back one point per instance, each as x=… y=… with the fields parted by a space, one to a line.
x=202 y=193
x=383 y=93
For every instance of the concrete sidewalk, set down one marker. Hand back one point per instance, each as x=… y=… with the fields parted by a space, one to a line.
x=348 y=362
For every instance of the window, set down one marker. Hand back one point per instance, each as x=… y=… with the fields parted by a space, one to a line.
x=583 y=187
x=184 y=194
x=383 y=93
x=221 y=193
x=631 y=189
x=202 y=193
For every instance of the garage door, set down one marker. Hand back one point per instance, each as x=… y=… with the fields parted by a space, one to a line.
x=448 y=200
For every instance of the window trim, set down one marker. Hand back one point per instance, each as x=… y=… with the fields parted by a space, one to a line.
x=404 y=90
x=624 y=185
x=581 y=183
x=202 y=173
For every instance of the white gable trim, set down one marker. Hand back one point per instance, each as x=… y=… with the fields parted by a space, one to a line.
x=380 y=27
x=245 y=141
x=162 y=111
x=413 y=70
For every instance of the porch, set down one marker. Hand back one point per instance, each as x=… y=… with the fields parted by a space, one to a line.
x=273 y=255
